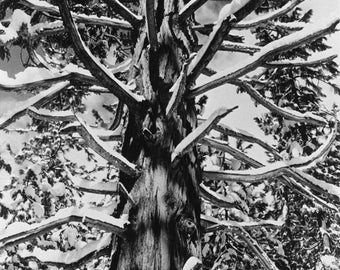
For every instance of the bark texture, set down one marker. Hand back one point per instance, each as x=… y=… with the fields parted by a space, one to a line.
x=163 y=232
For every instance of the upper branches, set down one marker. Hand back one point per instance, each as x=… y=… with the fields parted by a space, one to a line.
x=97 y=70
x=308 y=34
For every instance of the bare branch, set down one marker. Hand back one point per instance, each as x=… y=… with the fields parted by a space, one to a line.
x=225 y=147
x=126 y=13
x=36 y=101
x=178 y=88
x=310 y=33
x=70 y=259
x=151 y=24
x=95 y=67
x=291 y=63
x=43 y=6
x=272 y=170
x=229 y=15
x=308 y=117
x=48 y=116
x=197 y=134
x=189 y=9
x=118 y=116
x=270 y=16
x=17 y=233
x=216 y=199
x=104 y=151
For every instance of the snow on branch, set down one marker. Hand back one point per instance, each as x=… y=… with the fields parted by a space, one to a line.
x=126 y=13
x=37 y=101
x=192 y=263
x=216 y=199
x=212 y=224
x=44 y=6
x=70 y=259
x=48 y=116
x=296 y=63
x=229 y=15
x=308 y=34
x=238 y=47
x=93 y=141
x=225 y=147
x=185 y=145
x=151 y=24
x=246 y=136
x=49 y=81
x=269 y=16
x=307 y=117
x=19 y=232
x=189 y=9
x=100 y=72
x=178 y=89
x=272 y=170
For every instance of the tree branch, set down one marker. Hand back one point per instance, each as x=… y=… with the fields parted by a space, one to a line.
x=293 y=63
x=189 y=9
x=37 y=101
x=232 y=47
x=178 y=88
x=118 y=116
x=314 y=31
x=272 y=170
x=70 y=259
x=216 y=198
x=269 y=16
x=104 y=151
x=151 y=24
x=225 y=147
x=44 y=6
x=308 y=117
x=229 y=15
x=185 y=145
x=192 y=263
x=97 y=70
x=17 y=233
x=126 y=13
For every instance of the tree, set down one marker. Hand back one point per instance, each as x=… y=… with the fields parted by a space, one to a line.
x=153 y=179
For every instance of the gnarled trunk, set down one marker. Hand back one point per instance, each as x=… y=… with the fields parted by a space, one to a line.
x=164 y=229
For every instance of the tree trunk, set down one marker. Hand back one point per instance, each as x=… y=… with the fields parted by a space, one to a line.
x=164 y=229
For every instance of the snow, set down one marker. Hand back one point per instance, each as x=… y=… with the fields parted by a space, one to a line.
x=230 y=9
x=69 y=257
x=192 y=263
x=19 y=17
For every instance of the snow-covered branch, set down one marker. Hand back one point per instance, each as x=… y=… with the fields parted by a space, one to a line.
x=270 y=16
x=295 y=63
x=216 y=199
x=178 y=89
x=246 y=136
x=212 y=224
x=275 y=169
x=100 y=72
x=229 y=15
x=308 y=34
x=189 y=9
x=192 y=263
x=19 y=232
x=115 y=158
x=126 y=13
x=225 y=147
x=37 y=101
x=70 y=259
x=239 y=47
x=151 y=24
x=44 y=6
x=293 y=115
x=197 y=134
